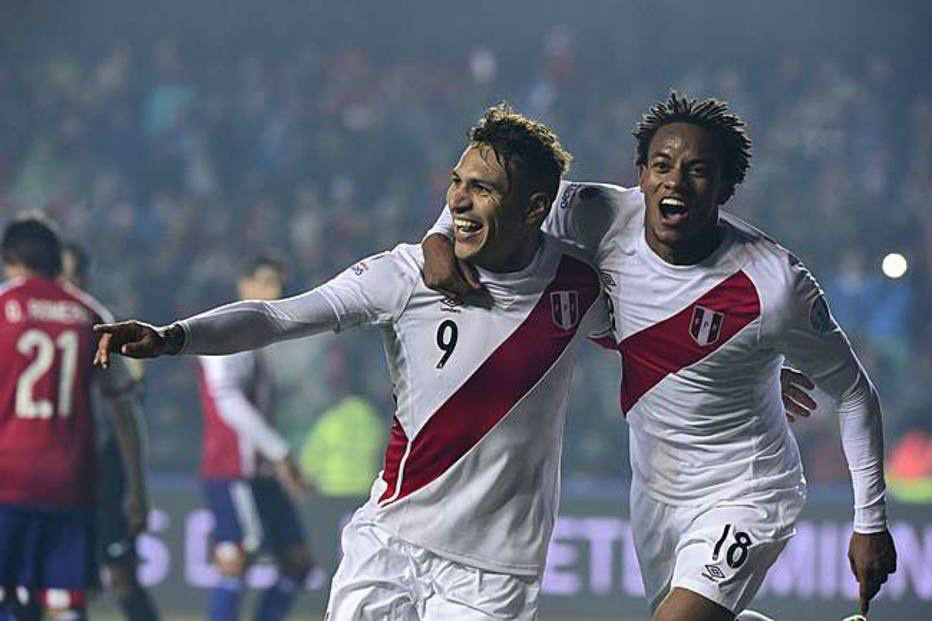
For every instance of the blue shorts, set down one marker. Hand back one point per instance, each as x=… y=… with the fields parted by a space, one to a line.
x=254 y=514
x=47 y=551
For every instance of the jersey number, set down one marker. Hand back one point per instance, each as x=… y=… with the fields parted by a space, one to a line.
x=37 y=341
x=446 y=340
x=737 y=552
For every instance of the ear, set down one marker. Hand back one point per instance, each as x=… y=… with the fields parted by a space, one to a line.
x=640 y=170
x=538 y=207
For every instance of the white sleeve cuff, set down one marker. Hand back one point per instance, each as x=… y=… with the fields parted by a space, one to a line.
x=871 y=519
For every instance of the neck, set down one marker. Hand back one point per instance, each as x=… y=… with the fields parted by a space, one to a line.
x=689 y=252
x=517 y=258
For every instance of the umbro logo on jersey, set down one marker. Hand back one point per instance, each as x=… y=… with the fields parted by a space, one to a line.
x=564 y=307
x=360 y=268
x=706 y=325
x=449 y=305
x=713 y=573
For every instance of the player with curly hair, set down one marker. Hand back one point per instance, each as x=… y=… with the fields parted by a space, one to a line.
x=706 y=309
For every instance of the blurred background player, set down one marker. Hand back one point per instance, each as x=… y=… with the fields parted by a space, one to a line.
x=47 y=446
x=247 y=469
x=115 y=545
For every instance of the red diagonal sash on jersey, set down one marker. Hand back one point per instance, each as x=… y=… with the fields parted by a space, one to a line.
x=675 y=343
x=505 y=377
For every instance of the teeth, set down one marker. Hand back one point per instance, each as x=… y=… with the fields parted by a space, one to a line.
x=466 y=226
x=672 y=202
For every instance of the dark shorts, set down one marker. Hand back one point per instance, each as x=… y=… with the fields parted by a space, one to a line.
x=47 y=551
x=111 y=534
x=255 y=514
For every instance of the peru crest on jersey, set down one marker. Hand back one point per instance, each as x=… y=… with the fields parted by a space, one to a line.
x=706 y=325
x=564 y=306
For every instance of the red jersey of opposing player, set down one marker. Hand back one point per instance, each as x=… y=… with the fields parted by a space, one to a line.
x=46 y=424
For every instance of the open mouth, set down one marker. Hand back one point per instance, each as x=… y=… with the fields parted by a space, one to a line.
x=466 y=228
x=671 y=206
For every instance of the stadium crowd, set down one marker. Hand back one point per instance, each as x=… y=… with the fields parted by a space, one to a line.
x=172 y=158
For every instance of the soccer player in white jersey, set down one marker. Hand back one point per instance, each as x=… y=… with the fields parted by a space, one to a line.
x=705 y=309
x=459 y=521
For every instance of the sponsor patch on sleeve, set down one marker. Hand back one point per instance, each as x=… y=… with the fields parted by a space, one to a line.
x=566 y=201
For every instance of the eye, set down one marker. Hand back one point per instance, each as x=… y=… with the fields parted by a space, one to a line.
x=661 y=165
x=699 y=171
x=481 y=189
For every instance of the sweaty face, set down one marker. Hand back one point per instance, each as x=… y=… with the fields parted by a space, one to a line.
x=489 y=223
x=264 y=284
x=682 y=183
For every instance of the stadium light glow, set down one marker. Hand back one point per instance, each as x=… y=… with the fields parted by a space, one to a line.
x=894 y=265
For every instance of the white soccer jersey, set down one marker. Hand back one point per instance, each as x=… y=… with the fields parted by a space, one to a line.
x=701 y=350
x=472 y=465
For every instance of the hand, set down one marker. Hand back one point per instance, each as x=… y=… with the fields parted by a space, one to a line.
x=445 y=273
x=136 y=510
x=796 y=401
x=290 y=478
x=872 y=558
x=134 y=339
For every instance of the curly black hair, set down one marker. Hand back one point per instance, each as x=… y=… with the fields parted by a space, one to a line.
x=523 y=144
x=712 y=114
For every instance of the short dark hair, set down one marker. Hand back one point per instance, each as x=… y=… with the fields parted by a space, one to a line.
x=267 y=258
x=711 y=114
x=82 y=260
x=523 y=144
x=32 y=241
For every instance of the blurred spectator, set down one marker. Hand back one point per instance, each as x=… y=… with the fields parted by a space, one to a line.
x=341 y=454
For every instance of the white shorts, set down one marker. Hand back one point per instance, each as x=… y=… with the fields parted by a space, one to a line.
x=382 y=578
x=721 y=551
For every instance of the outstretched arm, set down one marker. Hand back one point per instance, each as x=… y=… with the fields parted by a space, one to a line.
x=371 y=291
x=228 y=329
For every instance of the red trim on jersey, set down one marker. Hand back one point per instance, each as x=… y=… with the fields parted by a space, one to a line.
x=394 y=453
x=220 y=458
x=667 y=347
x=492 y=391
